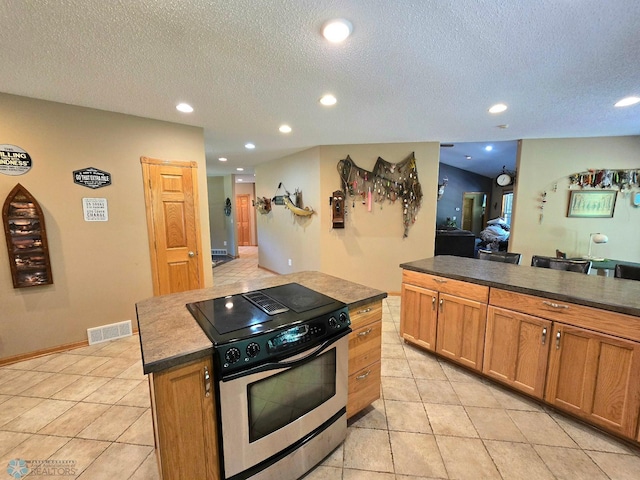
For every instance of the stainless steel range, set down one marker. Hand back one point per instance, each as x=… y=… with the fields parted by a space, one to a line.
x=281 y=361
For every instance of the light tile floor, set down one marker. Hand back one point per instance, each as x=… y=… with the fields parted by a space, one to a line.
x=434 y=420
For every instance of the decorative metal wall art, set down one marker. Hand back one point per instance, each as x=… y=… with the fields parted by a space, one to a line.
x=622 y=179
x=387 y=182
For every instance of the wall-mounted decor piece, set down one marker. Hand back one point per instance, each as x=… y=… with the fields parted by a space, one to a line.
x=592 y=203
x=227 y=207
x=386 y=182
x=295 y=204
x=26 y=236
x=622 y=179
x=337 y=209
x=91 y=177
x=95 y=209
x=262 y=204
x=14 y=160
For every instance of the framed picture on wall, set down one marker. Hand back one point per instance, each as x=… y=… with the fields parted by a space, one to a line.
x=592 y=203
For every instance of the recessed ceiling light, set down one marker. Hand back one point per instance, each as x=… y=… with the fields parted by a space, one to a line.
x=503 y=126
x=240 y=180
x=627 y=101
x=337 y=30
x=328 y=100
x=488 y=148
x=250 y=146
x=285 y=129
x=184 y=108
x=468 y=157
x=240 y=169
x=498 y=108
x=222 y=159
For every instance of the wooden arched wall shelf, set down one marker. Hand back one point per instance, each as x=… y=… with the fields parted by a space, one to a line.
x=26 y=235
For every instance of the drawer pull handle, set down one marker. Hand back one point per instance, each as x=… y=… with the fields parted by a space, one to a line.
x=439 y=280
x=366 y=310
x=441 y=303
x=364 y=375
x=554 y=305
x=433 y=303
x=207 y=382
x=366 y=332
x=544 y=335
x=558 y=341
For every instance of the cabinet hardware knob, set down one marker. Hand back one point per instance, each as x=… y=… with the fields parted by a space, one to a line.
x=558 y=341
x=433 y=303
x=366 y=310
x=544 y=335
x=554 y=305
x=364 y=375
x=191 y=254
x=441 y=303
x=207 y=382
x=366 y=332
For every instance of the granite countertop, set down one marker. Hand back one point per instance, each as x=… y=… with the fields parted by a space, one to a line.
x=170 y=336
x=607 y=293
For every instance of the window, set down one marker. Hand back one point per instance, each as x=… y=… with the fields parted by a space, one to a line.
x=507 y=207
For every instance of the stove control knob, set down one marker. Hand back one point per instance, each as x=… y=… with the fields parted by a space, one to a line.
x=333 y=322
x=344 y=318
x=253 y=349
x=232 y=355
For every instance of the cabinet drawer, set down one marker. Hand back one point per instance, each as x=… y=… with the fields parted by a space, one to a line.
x=472 y=291
x=365 y=314
x=365 y=345
x=364 y=388
x=618 y=324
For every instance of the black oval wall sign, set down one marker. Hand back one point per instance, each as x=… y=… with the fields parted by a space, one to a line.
x=14 y=160
x=91 y=177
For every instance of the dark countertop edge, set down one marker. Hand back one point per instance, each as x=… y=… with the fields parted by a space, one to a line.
x=167 y=363
x=528 y=291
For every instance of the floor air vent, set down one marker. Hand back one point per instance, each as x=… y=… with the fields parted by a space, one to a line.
x=109 y=332
x=265 y=303
x=218 y=251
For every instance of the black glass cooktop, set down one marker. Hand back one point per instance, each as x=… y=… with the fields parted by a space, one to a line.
x=244 y=315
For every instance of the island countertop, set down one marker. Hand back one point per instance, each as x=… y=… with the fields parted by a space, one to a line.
x=607 y=293
x=170 y=336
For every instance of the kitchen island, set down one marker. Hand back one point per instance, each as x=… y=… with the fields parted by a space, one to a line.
x=567 y=339
x=178 y=357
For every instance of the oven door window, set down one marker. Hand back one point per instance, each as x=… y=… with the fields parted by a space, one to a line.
x=280 y=399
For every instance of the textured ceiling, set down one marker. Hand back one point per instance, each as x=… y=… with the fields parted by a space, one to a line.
x=413 y=70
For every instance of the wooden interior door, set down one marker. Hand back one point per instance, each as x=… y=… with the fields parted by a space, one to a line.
x=242 y=219
x=467 y=213
x=171 y=199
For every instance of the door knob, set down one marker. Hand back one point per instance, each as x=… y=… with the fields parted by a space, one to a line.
x=191 y=254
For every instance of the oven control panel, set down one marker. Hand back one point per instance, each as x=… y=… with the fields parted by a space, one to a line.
x=286 y=341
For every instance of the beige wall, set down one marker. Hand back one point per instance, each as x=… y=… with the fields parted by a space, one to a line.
x=100 y=269
x=281 y=234
x=371 y=246
x=547 y=162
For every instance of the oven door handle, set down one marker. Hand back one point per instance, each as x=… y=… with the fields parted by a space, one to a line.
x=284 y=364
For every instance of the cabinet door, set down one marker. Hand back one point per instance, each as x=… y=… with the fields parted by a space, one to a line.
x=516 y=350
x=461 y=325
x=595 y=376
x=185 y=419
x=418 y=315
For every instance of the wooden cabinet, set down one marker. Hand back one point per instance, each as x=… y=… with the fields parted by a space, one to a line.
x=365 y=345
x=184 y=420
x=444 y=315
x=461 y=326
x=26 y=237
x=516 y=350
x=596 y=377
x=418 y=316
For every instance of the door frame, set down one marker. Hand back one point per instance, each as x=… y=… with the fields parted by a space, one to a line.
x=146 y=163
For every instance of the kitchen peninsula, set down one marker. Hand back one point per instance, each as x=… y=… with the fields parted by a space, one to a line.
x=178 y=356
x=567 y=339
